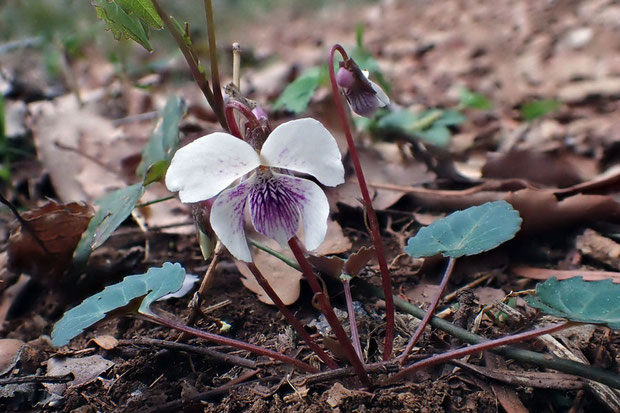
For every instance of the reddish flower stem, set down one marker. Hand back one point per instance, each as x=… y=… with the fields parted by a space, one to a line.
x=225 y=341
x=355 y=335
x=229 y=113
x=372 y=216
x=429 y=313
x=477 y=348
x=290 y=317
x=328 y=311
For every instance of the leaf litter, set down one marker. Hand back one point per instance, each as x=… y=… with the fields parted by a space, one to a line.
x=446 y=49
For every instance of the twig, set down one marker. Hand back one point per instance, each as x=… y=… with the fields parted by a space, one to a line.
x=216 y=355
x=373 y=222
x=429 y=313
x=38 y=379
x=355 y=335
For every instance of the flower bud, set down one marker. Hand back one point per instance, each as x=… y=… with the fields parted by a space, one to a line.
x=260 y=113
x=345 y=78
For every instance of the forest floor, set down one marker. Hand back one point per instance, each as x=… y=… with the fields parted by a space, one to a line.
x=559 y=170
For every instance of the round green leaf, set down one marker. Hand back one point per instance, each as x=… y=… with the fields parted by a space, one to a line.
x=134 y=293
x=469 y=232
x=596 y=302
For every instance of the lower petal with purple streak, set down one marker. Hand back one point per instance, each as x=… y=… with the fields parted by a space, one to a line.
x=273 y=207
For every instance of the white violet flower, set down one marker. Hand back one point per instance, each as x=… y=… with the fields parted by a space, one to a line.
x=277 y=200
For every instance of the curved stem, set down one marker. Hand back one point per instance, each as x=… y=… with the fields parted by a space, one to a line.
x=225 y=341
x=290 y=317
x=229 y=113
x=477 y=348
x=429 y=313
x=372 y=216
x=328 y=311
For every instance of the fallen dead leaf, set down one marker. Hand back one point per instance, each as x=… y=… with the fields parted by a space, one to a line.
x=9 y=350
x=489 y=295
x=59 y=228
x=105 y=341
x=84 y=369
x=545 y=274
x=10 y=296
x=338 y=394
x=600 y=248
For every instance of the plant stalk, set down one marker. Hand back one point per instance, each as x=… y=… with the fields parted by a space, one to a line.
x=370 y=212
x=229 y=113
x=328 y=311
x=198 y=76
x=355 y=335
x=215 y=74
x=477 y=348
x=429 y=313
x=290 y=317
x=225 y=341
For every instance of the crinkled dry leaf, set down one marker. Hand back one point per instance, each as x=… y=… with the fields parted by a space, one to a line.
x=84 y=369
x=59 y=227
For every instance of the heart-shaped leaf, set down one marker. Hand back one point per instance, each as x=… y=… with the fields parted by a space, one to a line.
x=596 y=302
x=134 y=294
x=468 y=232
x=297 y=95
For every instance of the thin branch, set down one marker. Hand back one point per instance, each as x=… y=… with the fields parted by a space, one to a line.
x=355 y=335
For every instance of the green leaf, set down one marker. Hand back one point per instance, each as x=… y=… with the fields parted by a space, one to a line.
x=156 y=172
x=538 y=108
x=121 y=24
x=596 y=302
x=165 y=137
x=448 y=117
x=113 y=209
x=473 y=100
x=469 y=232
x=296 y=96
x=437 y=135
x=134 y=294
x=144 y=10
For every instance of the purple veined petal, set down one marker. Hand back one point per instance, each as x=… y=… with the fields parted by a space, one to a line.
x=305 y=145
x=310 y=201
x=273 y=207
x=227 y=219
x=203 y=168
x=363 y=102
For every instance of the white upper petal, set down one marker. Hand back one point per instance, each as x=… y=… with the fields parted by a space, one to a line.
x=383 y=99
x=227 y=219
x=313 y=206
x=305 y=145
x=203 y=168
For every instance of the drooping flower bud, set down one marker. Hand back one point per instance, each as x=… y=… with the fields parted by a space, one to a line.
x=260 y=113
x=364 y=96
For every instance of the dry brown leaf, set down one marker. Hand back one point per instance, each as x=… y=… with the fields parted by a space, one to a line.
x=600 y=248
x=545 y=274
x=338 y=394
x=84 y=369
x=283 y=279
x=9 y=349
x=489 y=295
x=81 y=150
x=543 y=168
x=105 y=341
x=59 y=227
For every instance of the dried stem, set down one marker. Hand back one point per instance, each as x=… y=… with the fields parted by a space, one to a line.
x=228 y=341
x=190 y=58
x=290 y=317
x=372 y=216
x=236 y=51
x=429 y=313
x=355 y=335
x=477 y=348
x=328 y=311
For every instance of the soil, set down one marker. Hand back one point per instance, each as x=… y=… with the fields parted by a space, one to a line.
x=511 y=52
